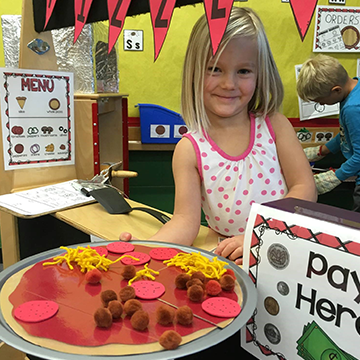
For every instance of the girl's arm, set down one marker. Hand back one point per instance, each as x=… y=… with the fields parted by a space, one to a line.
x=295 y=166
x=185 y=222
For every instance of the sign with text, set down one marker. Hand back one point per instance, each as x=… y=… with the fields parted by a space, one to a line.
x=37 y=118
x=337 y=29
x=307 y=274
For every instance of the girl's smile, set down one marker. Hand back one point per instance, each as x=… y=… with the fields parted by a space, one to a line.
x=230 y=83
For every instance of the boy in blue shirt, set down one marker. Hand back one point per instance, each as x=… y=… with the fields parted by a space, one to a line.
x=324 y=80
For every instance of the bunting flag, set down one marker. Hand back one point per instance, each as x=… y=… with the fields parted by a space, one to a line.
x=161 y=12
x=217 y=13
x=303 y=11
x=82 y=8
x=117 y=10
x=49 y=9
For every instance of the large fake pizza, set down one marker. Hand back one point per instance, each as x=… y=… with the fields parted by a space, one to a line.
x=53 y=306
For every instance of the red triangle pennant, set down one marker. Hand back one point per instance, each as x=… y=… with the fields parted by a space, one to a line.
x=303 y=11
x=82 y=8
x=217 y=13
x=49 y=10
x=161 y=12
x=117 y=10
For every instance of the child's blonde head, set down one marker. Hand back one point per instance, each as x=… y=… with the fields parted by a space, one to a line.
x=318 y=76
x=243 y=22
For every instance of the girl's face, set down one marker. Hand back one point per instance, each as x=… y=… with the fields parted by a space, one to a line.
x=230 y=85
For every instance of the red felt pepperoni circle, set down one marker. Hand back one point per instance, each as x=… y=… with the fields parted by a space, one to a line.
x=148 y=289
x=162 y=253
x=36 y=311
x=221 y=307
x=120 y=247
x=143 y=258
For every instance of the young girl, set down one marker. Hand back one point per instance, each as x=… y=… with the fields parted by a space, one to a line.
x=239 y=149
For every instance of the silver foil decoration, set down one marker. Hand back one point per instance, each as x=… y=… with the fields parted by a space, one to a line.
x=76 y=58
x=11 y=26
x=94 y=69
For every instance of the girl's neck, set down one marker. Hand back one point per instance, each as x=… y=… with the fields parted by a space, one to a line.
x=231 y=137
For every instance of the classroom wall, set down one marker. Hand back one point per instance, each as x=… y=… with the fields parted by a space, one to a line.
x=159 y=82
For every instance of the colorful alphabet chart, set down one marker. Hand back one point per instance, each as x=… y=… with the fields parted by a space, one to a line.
x=304 y=262
x=37 y=118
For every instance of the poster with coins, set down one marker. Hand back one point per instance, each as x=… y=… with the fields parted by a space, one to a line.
x=337 y=29
x=37 y=118
x=307 y=274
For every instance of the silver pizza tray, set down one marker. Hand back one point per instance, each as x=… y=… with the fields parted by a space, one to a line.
x=8 y=336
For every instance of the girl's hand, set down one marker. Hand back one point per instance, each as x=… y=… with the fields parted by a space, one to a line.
x=232 y=248
x=125 y=236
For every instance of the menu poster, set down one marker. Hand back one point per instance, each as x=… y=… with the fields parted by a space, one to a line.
x=37 y=118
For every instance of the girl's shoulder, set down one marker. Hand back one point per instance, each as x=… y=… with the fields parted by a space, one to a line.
x=278 y=120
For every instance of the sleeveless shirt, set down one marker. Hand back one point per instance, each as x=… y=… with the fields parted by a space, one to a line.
x=231 y=184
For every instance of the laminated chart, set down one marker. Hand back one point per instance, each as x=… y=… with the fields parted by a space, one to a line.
x=37 y=118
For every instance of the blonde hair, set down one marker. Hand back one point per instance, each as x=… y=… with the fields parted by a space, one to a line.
x=269 y=92
x=318 y=76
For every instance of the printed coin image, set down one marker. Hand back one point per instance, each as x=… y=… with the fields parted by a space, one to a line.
x=283 y=288
x=19 y=148
x=160 y=130
x=271 y=305
x=278 y=256
x=54 y=104
x=272 y=333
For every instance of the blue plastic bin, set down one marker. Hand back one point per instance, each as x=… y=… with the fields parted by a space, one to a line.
x=160 y=125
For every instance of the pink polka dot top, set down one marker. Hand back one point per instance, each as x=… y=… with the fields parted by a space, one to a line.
x=231 y=184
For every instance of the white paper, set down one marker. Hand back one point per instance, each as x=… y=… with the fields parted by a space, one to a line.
x=37 y=118
x=45 y=199
x=321 y=280
x=337 y=29
x=311 y=109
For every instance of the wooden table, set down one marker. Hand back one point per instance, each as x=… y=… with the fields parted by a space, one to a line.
x=94 y=220
x=68 y=227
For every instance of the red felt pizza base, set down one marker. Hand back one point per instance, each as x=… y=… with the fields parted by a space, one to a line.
x=74 y=324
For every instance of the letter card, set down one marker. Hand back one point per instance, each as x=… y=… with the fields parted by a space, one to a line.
x=304 y=259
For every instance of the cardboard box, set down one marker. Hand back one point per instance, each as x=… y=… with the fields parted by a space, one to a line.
x=304 y=259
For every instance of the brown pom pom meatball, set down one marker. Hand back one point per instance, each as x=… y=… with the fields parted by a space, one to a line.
x=127 y=293
x=170 y=339
x=195 y=293
x=128 y=272
x=184 y=315
x=199 y=275
x=195 y=281
x=227 y=282
x=103 y=318
x=131 y=306
x=107 y=296
x=181 y=280
x=116 y=309
x=140 y=320
x=165 y=315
